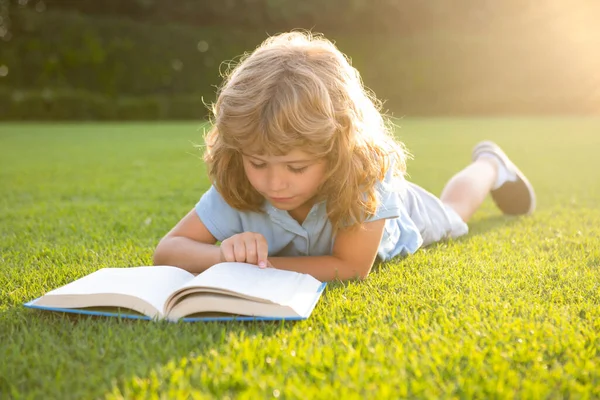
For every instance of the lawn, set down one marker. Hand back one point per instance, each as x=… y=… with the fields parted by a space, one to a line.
x=512 y=310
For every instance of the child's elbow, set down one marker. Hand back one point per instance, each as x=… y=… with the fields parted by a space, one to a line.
x=361 y=273
x=160 y=256
x=353 y=272
x=157 y=258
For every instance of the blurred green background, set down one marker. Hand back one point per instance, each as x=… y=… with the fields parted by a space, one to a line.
x=161 y=59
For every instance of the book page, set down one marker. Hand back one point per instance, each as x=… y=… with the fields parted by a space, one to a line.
x=211 y=303
x=270 y=284
x=151 y=284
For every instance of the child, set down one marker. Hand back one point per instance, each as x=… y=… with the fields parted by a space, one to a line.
x=307 y=177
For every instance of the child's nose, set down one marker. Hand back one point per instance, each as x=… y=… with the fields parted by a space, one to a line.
x=276 y=181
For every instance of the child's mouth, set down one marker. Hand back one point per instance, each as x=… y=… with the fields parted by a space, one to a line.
x=281 y=199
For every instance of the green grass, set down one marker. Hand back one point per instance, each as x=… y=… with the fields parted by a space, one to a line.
x=512 y=310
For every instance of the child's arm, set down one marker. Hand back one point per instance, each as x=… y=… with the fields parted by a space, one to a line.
x=189 y=245
x=354 y=252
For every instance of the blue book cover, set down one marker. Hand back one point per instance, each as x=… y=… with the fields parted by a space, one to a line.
x=224 y=292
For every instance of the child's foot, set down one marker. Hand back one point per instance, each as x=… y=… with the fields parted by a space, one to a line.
x=512 y=192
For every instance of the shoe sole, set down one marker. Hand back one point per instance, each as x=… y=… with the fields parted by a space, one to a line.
x=512 y=198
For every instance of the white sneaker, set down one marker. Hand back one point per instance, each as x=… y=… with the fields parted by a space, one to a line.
x=513 y=197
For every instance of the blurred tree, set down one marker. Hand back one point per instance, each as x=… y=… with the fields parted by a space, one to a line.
x=425 y=57
x=5 y=33
x=272 y=15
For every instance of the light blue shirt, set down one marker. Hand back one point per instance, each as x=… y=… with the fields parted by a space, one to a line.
x=314 y=237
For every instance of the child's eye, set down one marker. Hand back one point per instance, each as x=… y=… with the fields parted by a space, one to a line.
x=258 y=166
x=297 y=170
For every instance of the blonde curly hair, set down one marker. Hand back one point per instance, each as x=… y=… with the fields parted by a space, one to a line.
x=298 y=91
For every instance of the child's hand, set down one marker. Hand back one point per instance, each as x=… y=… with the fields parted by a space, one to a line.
x=248 y=247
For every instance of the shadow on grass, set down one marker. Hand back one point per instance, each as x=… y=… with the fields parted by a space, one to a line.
x=476 y=228
x=62 y=355
x=481 y=226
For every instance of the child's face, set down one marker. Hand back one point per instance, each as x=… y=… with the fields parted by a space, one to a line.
x=289 y=182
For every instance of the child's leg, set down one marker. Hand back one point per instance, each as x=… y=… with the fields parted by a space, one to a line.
x=466 y=190
x=490 y=172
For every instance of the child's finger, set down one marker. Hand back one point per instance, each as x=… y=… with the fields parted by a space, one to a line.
x=227 y=252
x=251 y=250
x=239 y=251
x=262 y=251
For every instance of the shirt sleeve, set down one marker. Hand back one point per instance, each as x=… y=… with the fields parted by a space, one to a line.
x=221 y=220
x=390 y=192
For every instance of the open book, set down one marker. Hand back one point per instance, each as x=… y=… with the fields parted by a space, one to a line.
x=225 y=291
